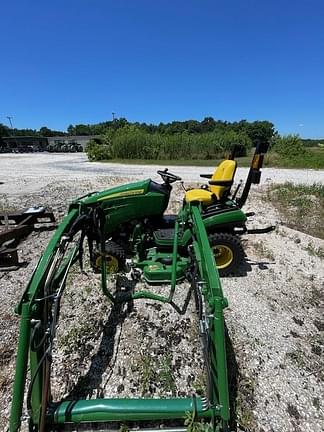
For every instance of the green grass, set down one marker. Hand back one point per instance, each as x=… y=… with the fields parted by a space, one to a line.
x=158 y=371
x=194 y=425
x=147 y=372
x=313 y=158
x=313 y=251
x=166 y=376
x=4 y=204
x=302 y=206
x=245 y=403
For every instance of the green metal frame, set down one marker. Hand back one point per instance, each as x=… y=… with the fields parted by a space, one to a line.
x=46 y=286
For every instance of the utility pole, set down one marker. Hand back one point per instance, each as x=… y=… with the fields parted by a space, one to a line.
x=11 y=133
x=9 y=118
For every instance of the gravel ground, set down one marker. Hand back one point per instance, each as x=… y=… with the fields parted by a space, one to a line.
x=275 y=315
x=34 y=171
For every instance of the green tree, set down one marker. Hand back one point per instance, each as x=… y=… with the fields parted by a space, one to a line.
x=288 y=146
x=208 y=124
x=259 y=131
x=4 y=130
x=46 y=132
x=82 y=129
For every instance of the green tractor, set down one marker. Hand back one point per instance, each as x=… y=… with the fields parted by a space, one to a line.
x=126 y=230
x=135 y=224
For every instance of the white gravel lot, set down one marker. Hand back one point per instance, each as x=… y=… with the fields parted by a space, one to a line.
x=19 y=171
x=275 y=315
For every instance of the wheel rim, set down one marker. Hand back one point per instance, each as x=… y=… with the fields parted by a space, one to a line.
x=112 y=263
x=223 y=256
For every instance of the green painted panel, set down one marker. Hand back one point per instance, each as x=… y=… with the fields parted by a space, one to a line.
x=127 y=409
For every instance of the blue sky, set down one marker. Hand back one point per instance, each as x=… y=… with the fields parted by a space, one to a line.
x=77 y=61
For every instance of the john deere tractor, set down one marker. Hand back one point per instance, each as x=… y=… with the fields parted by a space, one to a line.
x=135 y=224
x=126 y=230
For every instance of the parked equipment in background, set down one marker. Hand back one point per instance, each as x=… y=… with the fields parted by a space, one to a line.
x=35 y=144
x=63 y=147
x=15 y=226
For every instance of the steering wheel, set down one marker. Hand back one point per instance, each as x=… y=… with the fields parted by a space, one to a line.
x=168 y=177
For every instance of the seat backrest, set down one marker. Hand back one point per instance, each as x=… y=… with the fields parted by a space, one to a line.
x=225 y=171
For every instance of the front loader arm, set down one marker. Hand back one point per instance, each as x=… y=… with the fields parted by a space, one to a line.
x=29 y=308
x=39 y=311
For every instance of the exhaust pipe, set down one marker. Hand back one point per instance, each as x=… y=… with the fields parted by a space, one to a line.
x=254 y=175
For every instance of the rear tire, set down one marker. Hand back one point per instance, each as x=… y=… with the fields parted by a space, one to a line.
x=228 y=252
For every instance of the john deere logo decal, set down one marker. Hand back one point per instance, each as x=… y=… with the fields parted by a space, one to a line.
x=123 y=194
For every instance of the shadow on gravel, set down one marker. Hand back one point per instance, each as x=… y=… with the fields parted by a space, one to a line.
x=243 y=269
x=40 y=229
x=9 y=268
x=262 y=265
x=247 y=265
x=233 y=377
x=92 y=380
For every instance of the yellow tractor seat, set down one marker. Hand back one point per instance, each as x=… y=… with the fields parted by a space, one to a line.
x=202 y=195
x=219 y=185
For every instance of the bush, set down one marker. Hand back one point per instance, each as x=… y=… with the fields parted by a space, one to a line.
x=131 y=142
x=288 y=146
x=290 y=152
x=97 y=152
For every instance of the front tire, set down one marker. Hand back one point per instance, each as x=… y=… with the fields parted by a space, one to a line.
x=228 y=252
x=114 y=255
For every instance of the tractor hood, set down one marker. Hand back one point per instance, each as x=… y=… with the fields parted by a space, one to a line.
x=123 y=191
x=139 y=200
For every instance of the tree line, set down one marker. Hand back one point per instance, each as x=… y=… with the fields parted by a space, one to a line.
x=254 y=130
x=44 y=131
x=191 y=139
x=257 y=130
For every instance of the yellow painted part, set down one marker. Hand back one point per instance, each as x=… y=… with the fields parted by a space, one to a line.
x=257 y=161
x=112 y=263
x=224 y=171
x=200 y=195
x=123 y=194
x=223 y=256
